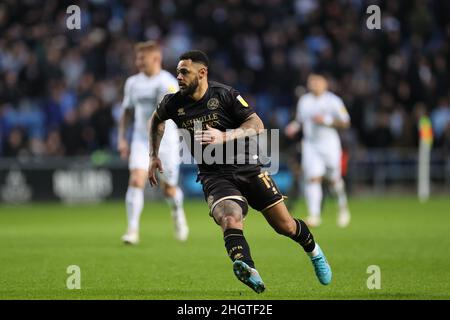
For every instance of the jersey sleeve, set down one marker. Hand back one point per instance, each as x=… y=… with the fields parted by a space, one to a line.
x=240 y=109
x=340 y=112
x=127 y=102
x=162 y=109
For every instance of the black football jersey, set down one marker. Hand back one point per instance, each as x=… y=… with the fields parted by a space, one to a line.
x=222 y=108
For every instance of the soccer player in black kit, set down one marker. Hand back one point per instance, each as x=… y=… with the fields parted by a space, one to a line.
x=229 y=188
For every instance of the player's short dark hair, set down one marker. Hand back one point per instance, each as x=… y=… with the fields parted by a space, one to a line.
x=318 y=71
x=196 y=56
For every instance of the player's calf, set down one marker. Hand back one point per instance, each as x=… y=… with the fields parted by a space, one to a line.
x=229 y=214
x=303 y=236
x=174 y=197
x=286 y=228
x=338 y=188
x=282 y=222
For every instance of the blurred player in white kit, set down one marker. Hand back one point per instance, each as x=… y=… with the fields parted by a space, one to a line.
x=142 y=93
x=320 y=113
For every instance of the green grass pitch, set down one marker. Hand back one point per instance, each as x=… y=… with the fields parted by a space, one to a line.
x=409 y=241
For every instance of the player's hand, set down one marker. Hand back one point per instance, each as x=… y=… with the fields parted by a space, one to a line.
x=210 y=136
x=318 y=119
x=155 y=165
x=292 y=129
x=322 y=120
x=123 y=148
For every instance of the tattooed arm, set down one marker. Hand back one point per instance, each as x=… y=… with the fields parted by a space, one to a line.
x=156 y=133
x=253 y=125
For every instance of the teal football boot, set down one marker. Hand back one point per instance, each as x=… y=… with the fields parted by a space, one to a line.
x=248 y=276
x=321 y=267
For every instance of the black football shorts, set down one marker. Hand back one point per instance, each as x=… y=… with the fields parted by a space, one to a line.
x=258 y=190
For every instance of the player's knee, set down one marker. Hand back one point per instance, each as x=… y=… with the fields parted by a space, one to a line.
x=137 y=179
x=230 y=221
x=229 y=214
x=137 y=183
x=169 y=191
x=315 y=180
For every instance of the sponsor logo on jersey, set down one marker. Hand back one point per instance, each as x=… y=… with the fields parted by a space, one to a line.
x=181 y=112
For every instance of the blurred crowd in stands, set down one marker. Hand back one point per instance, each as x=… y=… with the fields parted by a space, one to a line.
x=61 y=89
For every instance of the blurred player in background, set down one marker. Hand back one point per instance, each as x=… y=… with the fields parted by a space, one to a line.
x=320 y=113
x=143 y=91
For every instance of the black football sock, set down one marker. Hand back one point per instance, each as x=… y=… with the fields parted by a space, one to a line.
x=303 y=236
x=237 y=247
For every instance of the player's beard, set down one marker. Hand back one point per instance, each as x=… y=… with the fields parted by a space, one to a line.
x=190 y=89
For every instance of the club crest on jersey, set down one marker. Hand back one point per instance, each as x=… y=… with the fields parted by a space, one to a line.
x=212 y=103
x=181 y=112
